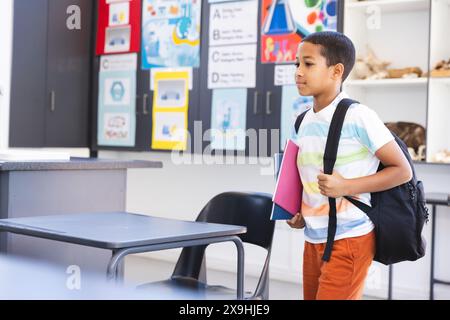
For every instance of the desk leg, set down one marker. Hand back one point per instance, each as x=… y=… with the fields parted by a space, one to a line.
x=433 y=226
x=240 y=268
x=112 y=270
x=119 y=254
x=115 y=272
x=391 y=270
x=119 y=273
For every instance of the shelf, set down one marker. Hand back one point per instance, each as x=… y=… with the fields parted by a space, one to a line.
x=391 y=5
x=387 y=82
x=440 y=80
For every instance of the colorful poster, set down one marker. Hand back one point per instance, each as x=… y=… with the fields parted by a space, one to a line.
x=233 y=23
x=228 y=119
x=117 y=100
x=118 y=26
x=232 y=66
x=170 y=111
x=285 y=22
x=292 y=105
x=171 y=33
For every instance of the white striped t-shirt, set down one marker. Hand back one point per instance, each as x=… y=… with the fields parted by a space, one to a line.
x=363 y=133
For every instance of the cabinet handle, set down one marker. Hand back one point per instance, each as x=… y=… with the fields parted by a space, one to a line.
x=144 y=104
x=52 y=101
x=137 y=99
x=255 y=102
x=268 y=96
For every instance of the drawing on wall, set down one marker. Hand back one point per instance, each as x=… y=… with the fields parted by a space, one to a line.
x=154 y=71
x=119 y=13
x=170 y=110
x=285 y=22
x=117 y=91
x=292 y=105
x=171 y=33
x=171 y=89
x=171 y=93
x=170 y=130
x=117 y=39
x=228 y=119
x=116 y=126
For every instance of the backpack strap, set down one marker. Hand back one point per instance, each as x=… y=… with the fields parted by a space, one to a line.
x=329 y=160
x=299 y=120
x=360 y=205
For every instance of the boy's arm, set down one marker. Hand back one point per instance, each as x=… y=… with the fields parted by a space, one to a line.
x=396 y=172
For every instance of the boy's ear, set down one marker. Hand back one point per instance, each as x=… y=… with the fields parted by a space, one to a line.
x=338 y=71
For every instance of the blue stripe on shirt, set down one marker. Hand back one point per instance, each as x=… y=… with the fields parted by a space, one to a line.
x=321 y=233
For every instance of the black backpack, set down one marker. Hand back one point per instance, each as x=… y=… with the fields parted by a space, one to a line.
x=398 y=214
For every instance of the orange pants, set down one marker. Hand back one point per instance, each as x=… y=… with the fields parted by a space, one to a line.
x=342 y=278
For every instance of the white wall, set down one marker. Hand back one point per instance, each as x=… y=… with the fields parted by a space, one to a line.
x=6 y=26
x=180 y=191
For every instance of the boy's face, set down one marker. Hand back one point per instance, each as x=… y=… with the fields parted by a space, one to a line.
x=313 y=76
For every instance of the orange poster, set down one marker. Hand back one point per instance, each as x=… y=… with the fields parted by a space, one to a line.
x=285 y=22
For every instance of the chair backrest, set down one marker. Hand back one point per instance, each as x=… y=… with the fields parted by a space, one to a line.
x=251 y=210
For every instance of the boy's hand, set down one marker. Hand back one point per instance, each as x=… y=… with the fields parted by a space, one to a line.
x=332 y=186
x=296 y=221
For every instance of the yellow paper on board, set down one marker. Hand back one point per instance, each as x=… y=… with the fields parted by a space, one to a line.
x=170 y=110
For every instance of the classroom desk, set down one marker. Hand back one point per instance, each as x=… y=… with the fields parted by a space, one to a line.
x=126 y=233
x=55 y=187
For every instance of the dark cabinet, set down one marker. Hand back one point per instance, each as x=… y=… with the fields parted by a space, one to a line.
x=272 y=112
x=51 y=70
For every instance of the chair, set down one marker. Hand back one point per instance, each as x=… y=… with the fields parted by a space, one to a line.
x=251 y=210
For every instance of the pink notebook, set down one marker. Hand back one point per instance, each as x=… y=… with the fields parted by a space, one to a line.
x=288 y=191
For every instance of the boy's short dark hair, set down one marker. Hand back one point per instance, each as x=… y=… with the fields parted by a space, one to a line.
x=336 y=48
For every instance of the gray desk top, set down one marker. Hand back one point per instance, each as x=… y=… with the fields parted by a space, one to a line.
x=115 y=230
x=78 y=164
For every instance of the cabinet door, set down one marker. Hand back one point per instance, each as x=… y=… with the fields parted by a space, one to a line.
x=68 y=73
x=144 y=102
x=27 y=116
x=272 y=112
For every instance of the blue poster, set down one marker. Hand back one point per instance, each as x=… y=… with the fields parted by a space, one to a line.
x=228 y=119
x=171 y=33
x=117 y=100
x=292 y=104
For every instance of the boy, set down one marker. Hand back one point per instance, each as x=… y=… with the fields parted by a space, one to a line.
x=324 y=61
